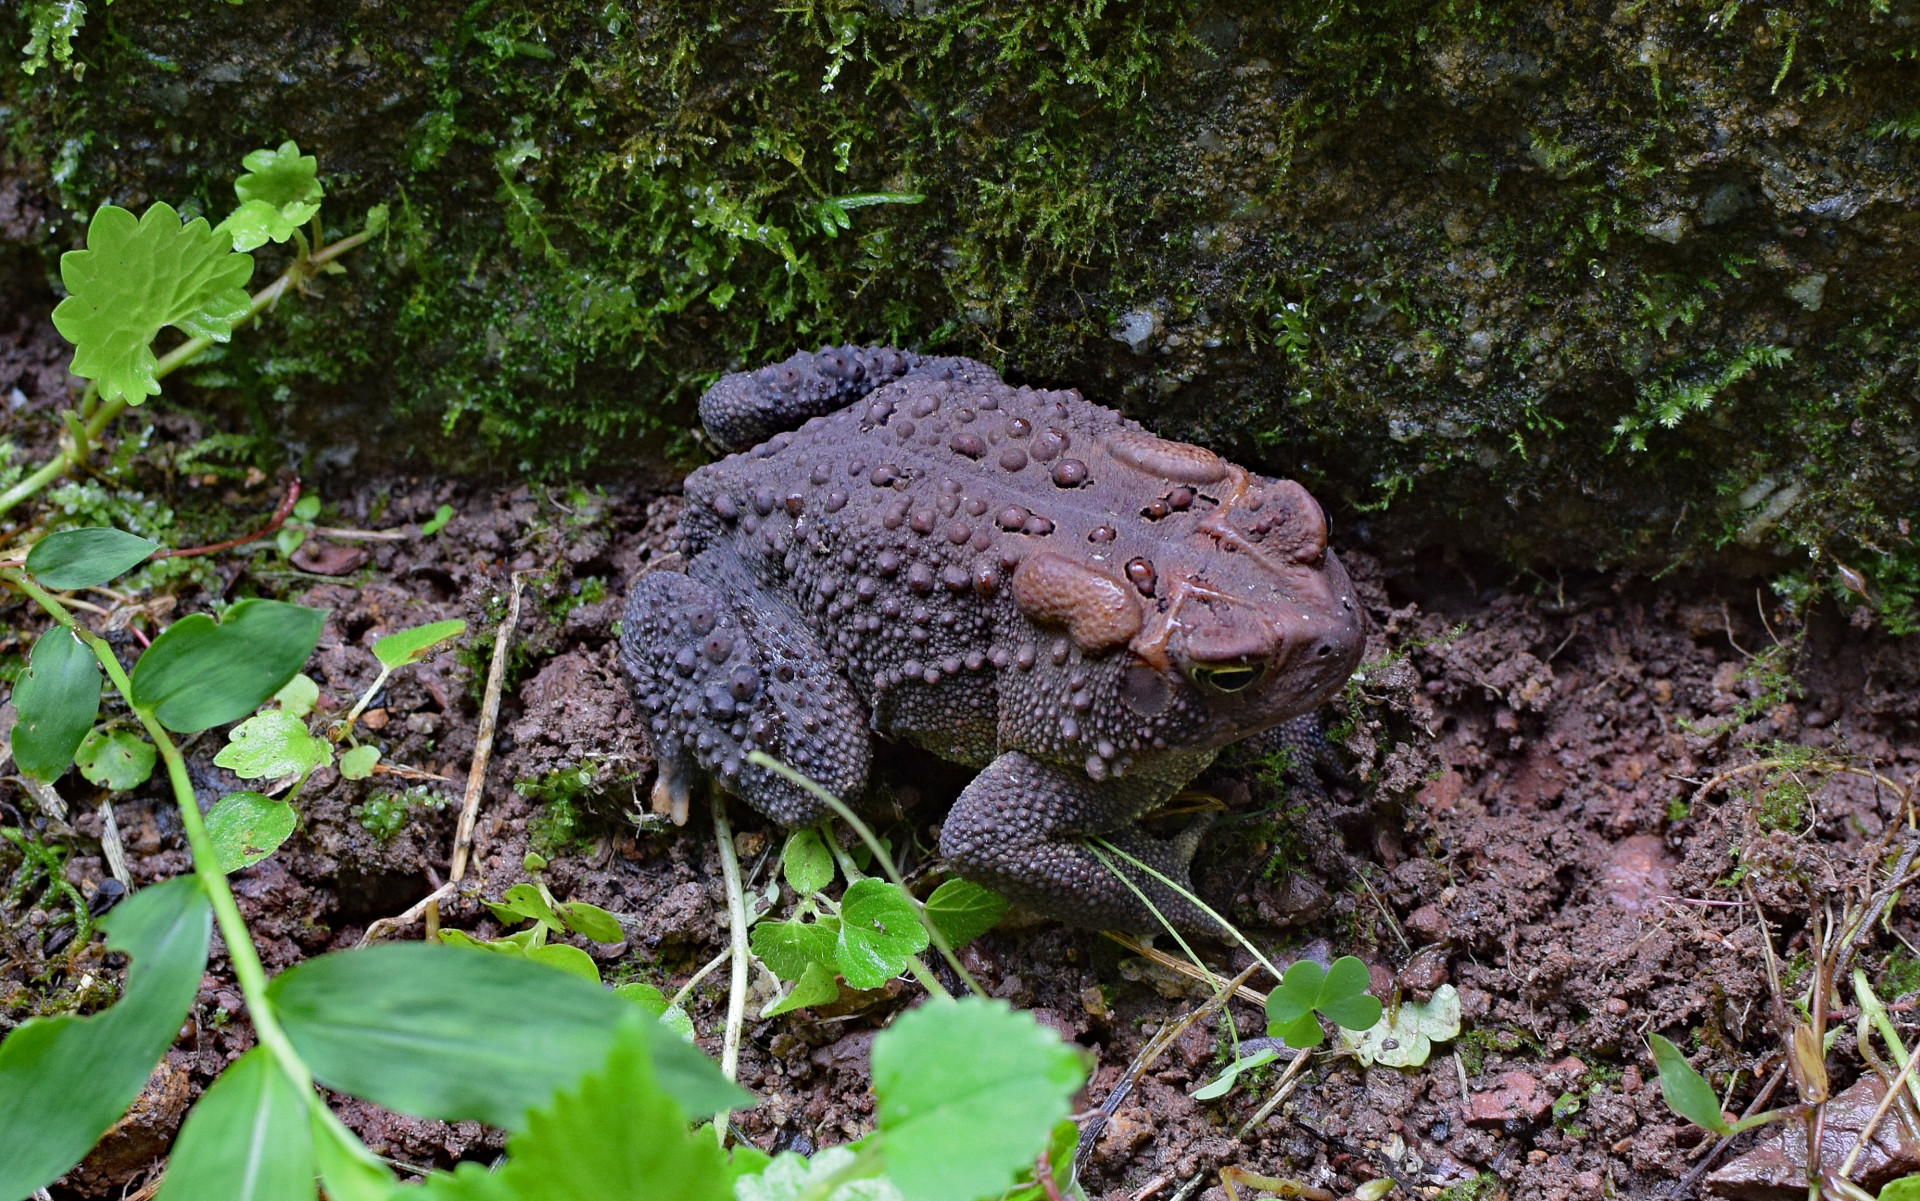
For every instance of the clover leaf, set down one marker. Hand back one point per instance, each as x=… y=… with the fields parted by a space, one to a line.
x=140 y=274
x=1338 y=993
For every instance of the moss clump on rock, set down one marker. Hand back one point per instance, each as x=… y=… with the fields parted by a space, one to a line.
x=1578 y=283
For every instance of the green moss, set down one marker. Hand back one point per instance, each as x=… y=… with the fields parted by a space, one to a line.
x=1466 y=268
x=564 y=797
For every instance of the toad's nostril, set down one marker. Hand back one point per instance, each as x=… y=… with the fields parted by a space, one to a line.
x=1325 y=651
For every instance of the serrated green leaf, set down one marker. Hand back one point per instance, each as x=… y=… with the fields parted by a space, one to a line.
x=358 y=763
x=590 y=921
x=814 y=987
x=967 y=1093
x=1686 y=1091
x=272 y=744
x=199 y=673
x=256 y=223
x=246 y=827
x=962 y=911
x=136 y=276
x=411 y=646
x=249 y=1138
x=87 y=557
x=284 y=180
x=347 y=1168
x=787 y=948
x=54 y=25
x=445 y=1033
x=299 y=696
x=1343 y=995
x=115 y=759
x=57 y=701
x=878 y=931
x=790 y=1176
x=64 y=1080
x=807 y=863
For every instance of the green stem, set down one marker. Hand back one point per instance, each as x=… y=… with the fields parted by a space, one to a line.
x=737 y=918
x=96 y=420
x=1196 y=902
x=762 y=759
x=1107 y=863
x=247 y=969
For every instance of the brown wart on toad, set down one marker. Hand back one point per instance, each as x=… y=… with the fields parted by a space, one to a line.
x=1018 y=580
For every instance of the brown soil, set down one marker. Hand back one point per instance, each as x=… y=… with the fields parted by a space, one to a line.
x=1523 y=763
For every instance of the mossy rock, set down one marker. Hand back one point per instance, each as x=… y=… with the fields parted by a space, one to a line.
x=1576 y=284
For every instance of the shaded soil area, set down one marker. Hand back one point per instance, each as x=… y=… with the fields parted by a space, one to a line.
x=1518 y=809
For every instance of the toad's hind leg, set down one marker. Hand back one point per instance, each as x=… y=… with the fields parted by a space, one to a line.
x=748 y=407
x=1022 y=826
x=721 y=669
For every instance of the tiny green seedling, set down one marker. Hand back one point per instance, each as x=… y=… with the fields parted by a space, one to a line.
x=1688 y=1094
x=533 y=902
x=1229 y=1076
x=1308 y=992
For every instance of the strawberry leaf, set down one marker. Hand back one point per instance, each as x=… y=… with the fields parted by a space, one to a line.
x=140 y=274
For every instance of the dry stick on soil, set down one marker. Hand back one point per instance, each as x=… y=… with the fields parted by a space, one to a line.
x=389 y=925
x=482 y=751
x=1289 y=1080
x=1172 y=964
x=737 y=919
x=1156 y=1046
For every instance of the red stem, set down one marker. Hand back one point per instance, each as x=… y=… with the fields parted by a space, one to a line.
x=280 y=516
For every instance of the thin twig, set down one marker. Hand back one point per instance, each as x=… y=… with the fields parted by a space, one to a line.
x=1289 y=1080
x=389 y=925
x=111 y=848
x=1171 y=963
x=482 y=750
x=737 y=919
x=1880 y=1111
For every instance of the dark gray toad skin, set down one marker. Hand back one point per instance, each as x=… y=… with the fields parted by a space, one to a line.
x=1017 y=580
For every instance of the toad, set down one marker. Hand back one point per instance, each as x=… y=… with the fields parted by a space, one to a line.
x=1016 y=579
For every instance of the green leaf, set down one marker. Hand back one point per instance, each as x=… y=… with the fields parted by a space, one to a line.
x=1686 y=1091
x=807 y=862
x=358 y=763
x=591 y=921
x=1907 y=1188
x=962 y=911
x=64 y=1080
x=375 y=221
x=136 y=276
x=199 y=673
x=790 y=1176
x=247 y=827
x=1292 y=1000
x=57 y=701
x=437 y=522
x=116 y=759
x=789 y=948
x=571 y=960
x=1300 y=1033
x=299 y=696
x=1343 y=995
x=280 y=192
x=86 y=557
x=651 y=999
x=878 y=931
x=441 y=1032
x=967 y=1094
x=411 y=646
x=272 y=744
x=249 y=1138
x=307 y=507
x=349 y=1171
x=1223 y=1084
x=523 y=903
x=814 y=987
x=55 y=23
x=1407 y=1040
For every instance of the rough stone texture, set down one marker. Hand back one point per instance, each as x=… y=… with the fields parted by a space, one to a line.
x=1017 y=580
x=1447 y=265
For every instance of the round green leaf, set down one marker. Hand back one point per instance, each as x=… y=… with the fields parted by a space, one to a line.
x=411 y=646
x=807 y=862
x=1343 y=995
x=283 y=178
x=358 y=763
x=878 y=931
x=967 y=1094
x=136 y=276
x=299 y=696
x=787 y=948
x=247 y=827
x=962 y=911
x=200 y=673
x=57 y=701
x=84 y=558
x=116 y=759
x=272 y=744
x=1296 y=994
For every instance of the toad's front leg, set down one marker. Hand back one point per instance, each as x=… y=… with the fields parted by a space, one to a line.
x=1023 y=826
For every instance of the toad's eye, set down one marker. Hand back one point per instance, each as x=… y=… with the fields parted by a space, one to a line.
x=1235 y=678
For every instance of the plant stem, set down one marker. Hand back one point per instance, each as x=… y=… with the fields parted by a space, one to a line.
x=762 y=759
x=97 y=419
x=1196 y=902
x=247 y=969
x=737 y=916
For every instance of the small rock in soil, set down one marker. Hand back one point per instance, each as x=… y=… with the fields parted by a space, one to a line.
x=1519 y=1097
x=1636 y=873
x=1776 y=1169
